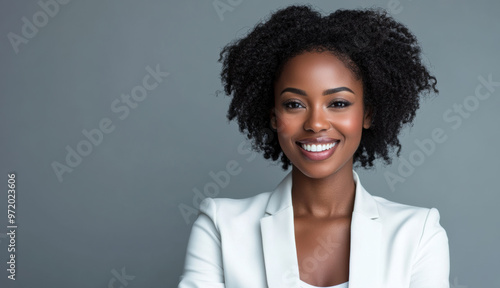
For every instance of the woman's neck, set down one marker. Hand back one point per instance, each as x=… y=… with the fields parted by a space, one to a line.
x=328 y=197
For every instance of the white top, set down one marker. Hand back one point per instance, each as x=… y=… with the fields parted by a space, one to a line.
x=305 y=285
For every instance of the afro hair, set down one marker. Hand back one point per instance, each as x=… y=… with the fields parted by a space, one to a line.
x=380 y=51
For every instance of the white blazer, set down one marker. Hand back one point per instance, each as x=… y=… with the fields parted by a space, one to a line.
x=251 y=243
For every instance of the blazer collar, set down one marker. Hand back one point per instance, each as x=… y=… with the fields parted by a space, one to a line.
x=278 y=239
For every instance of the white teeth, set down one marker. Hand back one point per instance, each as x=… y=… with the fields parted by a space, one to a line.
x=319 y=147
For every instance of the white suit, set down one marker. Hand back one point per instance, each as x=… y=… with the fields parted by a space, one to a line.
x=251 y=243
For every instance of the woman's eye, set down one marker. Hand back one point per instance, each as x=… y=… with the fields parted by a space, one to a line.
x=292 y=105
x=340 y=104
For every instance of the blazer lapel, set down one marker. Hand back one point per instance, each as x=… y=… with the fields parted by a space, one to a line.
x=366 y=232
x=278 y=239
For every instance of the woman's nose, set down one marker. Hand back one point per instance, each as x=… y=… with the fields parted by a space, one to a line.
x=316 y=120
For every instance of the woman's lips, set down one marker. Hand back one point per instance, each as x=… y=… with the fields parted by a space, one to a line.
x=320 y=140
x=318 y=156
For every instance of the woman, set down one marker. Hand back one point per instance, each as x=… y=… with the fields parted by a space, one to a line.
x=321 y=94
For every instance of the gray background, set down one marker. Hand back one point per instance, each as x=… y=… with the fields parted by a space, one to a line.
x=120 y=207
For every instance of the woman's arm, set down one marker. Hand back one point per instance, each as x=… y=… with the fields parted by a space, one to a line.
x=203 y=264
x=431 y=266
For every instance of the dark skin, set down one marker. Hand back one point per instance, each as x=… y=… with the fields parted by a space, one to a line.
x=323 y=189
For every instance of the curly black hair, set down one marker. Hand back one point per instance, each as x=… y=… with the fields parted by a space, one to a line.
x=380 y=51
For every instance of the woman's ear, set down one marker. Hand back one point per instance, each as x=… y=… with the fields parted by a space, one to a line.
x=368 y=118
x=272 y=117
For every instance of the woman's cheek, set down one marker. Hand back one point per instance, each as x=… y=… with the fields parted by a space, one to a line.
x=285 y=125
x=349 y=125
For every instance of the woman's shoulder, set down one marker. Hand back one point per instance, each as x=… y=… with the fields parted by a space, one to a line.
x=230 y=208
x=405 y=215
x=390 y=206
x=238 y=204
x=392 y=212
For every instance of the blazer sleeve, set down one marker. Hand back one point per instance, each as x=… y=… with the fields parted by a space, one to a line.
x=431 y=266
x=203 y=264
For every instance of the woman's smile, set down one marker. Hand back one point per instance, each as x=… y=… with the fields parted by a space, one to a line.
x=319 y=113
x=318 y=148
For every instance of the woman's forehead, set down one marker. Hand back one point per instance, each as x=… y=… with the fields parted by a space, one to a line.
x=310 y=67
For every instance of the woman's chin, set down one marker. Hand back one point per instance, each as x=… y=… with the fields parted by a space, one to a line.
x=317 y=171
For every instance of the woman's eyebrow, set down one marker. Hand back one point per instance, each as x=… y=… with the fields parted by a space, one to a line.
x=326 y=92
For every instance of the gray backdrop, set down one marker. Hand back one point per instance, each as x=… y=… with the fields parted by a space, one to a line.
x=106 y=184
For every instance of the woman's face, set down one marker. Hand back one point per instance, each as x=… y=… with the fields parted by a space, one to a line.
x=318 y=113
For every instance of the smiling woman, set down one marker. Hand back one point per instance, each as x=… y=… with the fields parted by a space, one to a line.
x=336 y=91
x=327 y=109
